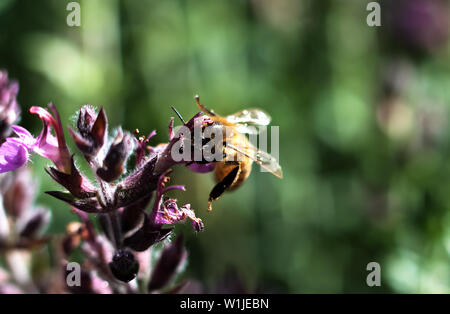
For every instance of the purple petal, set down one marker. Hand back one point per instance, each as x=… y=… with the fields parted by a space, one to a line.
x=173 y=187
x=169 y=213
x=49 y=146
x=202 y=168
x=26 y=138
x=197 y=223
x=12 y=156
x=152 y=134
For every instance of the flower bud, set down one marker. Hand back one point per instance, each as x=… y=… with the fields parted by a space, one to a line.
x=34 y=223
x=131 y=216
x=124 y=266
x=171 y=259
x=86 y=119
x=92 y=131
x=113 y=164
x=20 y=194
x=146 y=236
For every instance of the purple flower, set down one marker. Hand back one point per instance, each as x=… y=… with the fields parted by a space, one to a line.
x=14 y=152
x=164 y=212
x=49 y=146
x=167 y=212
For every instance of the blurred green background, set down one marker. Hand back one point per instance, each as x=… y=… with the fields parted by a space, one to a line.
x=363 y=111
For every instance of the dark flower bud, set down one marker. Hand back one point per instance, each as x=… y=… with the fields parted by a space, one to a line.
x=35 y=223
x=92 y=131
x=19 y=196
x=113 y=164
x=146 y=236
x=131 y=216
x=124 y=266
x=86 y=119
x=171 y=259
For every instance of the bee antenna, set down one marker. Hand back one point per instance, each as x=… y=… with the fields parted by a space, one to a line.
x=178 y=114
x=202 y=107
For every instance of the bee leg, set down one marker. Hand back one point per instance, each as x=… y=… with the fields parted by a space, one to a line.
x=223 y=185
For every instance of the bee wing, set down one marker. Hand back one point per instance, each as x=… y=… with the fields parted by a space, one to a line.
x=262 y=158
x=247 y=129
x=250 y=117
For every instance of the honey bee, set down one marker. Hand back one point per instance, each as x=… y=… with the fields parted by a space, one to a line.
x=240 y=154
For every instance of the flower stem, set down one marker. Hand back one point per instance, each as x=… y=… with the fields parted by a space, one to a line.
x=115 y=228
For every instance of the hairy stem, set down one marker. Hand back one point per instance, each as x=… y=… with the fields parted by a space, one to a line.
x=116 y=230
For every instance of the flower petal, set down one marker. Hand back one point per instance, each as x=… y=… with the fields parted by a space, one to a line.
x=49 y=146
x=197 y=223
x=202 y=168
x=169 y=213
x=26 y=138
x=12 y=156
